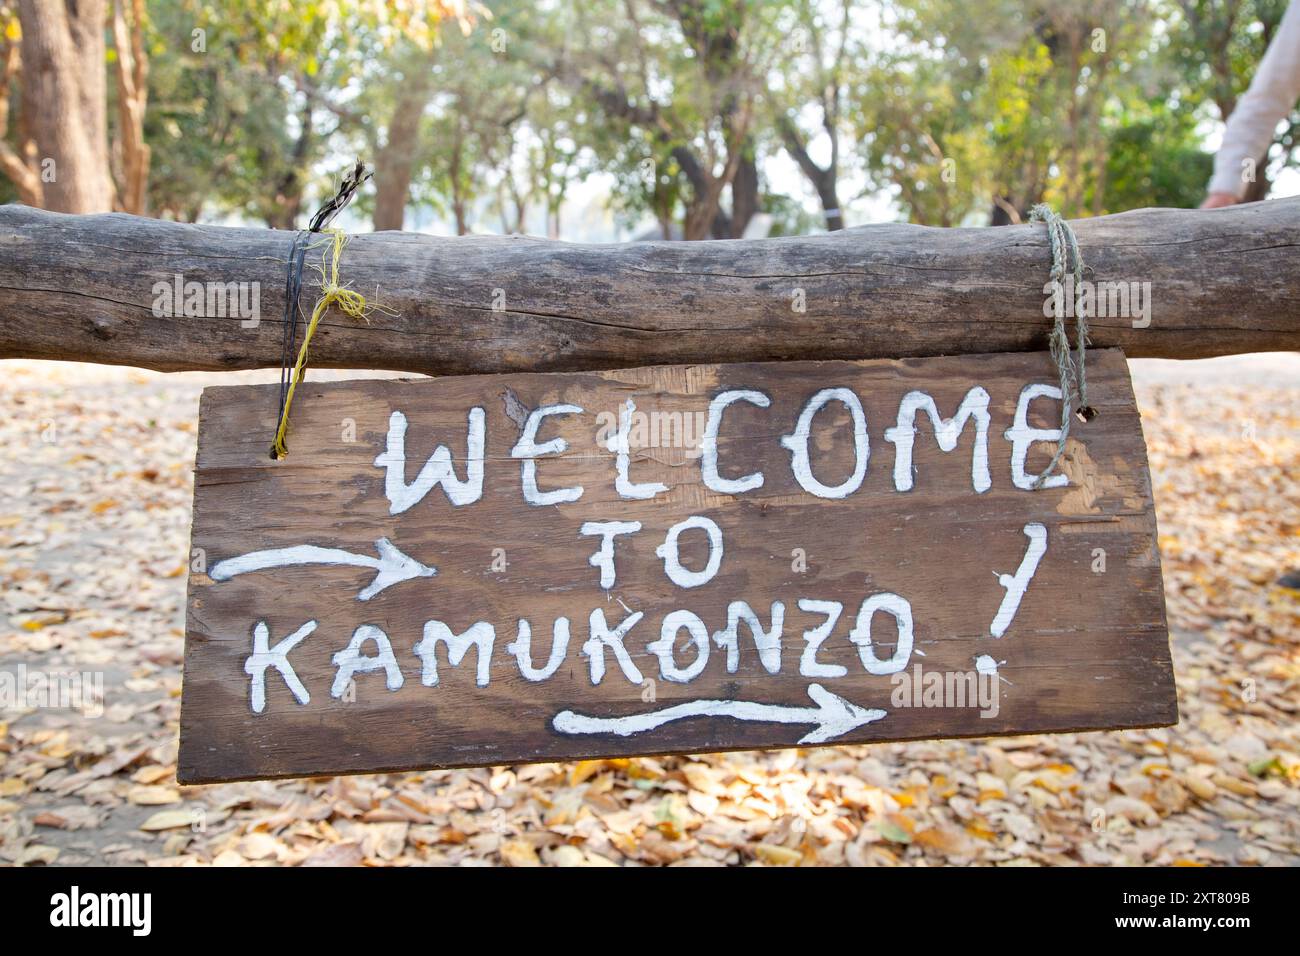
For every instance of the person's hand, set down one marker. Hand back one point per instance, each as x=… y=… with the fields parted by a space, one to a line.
x=1217 y=200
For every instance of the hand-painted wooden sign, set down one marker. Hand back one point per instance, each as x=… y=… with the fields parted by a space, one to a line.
x=501 y=569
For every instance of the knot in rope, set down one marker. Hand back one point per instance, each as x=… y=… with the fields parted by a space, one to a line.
x=332 y=293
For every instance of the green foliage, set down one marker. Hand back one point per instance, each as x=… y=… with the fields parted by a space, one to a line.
x=1093 y=107
x=233 y=102
x=1155 y=162
x=923 y=139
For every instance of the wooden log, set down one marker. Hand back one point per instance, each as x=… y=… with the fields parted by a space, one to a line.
x=84 y=288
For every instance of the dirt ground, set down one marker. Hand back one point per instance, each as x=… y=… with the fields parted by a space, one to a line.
x=95 y=491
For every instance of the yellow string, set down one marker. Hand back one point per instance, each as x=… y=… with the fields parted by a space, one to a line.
x=332 y=292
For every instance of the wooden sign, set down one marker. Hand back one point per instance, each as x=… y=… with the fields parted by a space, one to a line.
x=501 y=569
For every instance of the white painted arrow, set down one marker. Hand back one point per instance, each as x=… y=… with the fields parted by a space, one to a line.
x=833 y=716
x=393 y=565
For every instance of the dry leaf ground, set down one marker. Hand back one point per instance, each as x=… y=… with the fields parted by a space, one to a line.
x=94 y=513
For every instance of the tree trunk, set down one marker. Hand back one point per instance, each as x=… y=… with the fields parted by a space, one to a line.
x=395 y=162
x=553 y=208
x=18 y=164
x=287 y=201
x=828 y=193
x=705 y=203
x=132 y=98
x=825 y=180
x=81 y=287
x=64 y=84
x=744 y=194
x=1003 y=213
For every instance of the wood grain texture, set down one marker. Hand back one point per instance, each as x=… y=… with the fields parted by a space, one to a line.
x=1086 y=650
x=80 y=287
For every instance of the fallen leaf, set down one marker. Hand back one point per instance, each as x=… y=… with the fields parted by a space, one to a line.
x=777 y=855
x=153 y=796
x=519 y=853
x=168 y=820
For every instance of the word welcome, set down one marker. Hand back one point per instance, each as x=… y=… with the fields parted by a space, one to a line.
x=529 y=450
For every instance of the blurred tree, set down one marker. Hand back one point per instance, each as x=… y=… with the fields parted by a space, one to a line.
x=402 y=71
x=822 y=52
x=242 y=97
x=65 y=100
x=959 y=110
x=131 y=154
x=1077 y=104
x=1153 y=160
x=1036 y=75
x=547 y=146
x=395 y=157
x=544 y=159
x=239 y=105
x=456 y=150
x=59 y=156
x=18 y=159
x=683 y=80
x=923 y=139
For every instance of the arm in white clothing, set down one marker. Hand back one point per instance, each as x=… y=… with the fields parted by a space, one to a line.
x=1272 y=94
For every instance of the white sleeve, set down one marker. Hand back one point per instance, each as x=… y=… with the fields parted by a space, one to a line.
x=1272 y=94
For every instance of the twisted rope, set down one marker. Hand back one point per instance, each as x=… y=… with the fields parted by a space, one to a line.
x=1071 y=366
x=332 y=293
x=292 y=290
